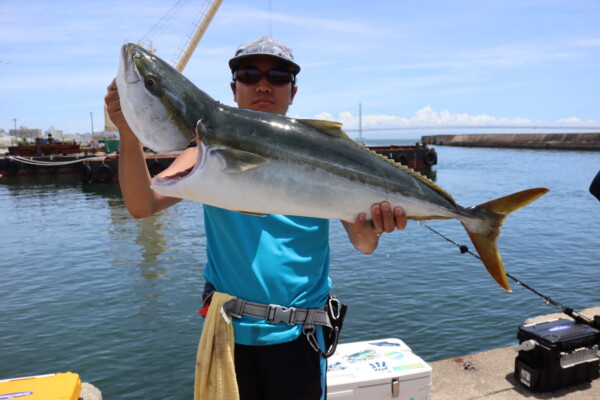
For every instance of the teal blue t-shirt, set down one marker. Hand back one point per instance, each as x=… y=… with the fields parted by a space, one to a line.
x=275 y=259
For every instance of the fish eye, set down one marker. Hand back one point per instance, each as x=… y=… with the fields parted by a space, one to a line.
x=151 y=82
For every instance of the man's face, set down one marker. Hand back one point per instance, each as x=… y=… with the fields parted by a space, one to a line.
x=264 y=95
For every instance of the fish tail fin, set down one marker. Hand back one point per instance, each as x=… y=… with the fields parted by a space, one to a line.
x=484 y=229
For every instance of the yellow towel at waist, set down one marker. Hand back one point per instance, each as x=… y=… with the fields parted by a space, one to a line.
x=215 y=370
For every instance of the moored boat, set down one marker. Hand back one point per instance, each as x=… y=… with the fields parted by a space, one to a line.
x=419 y=157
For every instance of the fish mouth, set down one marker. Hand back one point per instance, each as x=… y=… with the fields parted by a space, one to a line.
x=180 y=174
x=170 y=180
x=131 y=74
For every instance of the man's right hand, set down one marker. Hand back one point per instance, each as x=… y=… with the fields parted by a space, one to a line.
x=115 y=113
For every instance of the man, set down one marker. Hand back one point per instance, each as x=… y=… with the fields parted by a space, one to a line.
x=273 y=260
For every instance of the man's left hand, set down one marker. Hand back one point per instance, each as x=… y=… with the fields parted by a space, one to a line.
x=365 y=236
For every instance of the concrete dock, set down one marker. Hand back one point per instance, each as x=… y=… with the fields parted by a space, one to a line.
x=556 y=141
x=489 y=375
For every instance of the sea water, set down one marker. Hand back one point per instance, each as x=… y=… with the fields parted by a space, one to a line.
x=86 y=288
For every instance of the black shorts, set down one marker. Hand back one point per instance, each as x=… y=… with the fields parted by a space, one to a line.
x=291 y=371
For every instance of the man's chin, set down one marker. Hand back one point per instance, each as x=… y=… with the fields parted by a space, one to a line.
x=268 y=107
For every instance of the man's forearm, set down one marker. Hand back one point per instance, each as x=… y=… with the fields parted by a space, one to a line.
x=134 y=179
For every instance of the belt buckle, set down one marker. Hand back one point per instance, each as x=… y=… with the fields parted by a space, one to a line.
x=277 y=314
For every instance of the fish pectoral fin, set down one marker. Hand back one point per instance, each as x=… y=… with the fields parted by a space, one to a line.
x=330 y=128
x=237 y=161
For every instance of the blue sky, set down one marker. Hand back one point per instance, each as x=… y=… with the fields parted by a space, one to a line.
x=409 y=63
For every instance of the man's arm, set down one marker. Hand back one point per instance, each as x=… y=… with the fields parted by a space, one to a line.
x=134 y=178
x=365 y=236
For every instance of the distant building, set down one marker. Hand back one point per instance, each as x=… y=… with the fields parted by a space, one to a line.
x=54 y=132
x=25 y=132
x=78 y=137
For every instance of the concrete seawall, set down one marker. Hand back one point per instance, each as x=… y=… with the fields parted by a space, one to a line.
x=558 y=141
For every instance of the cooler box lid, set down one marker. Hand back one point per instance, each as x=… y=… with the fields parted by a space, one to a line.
x=61 y=386
x=560 y=333
x=373 y=362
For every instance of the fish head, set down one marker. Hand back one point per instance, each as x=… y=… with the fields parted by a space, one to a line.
x=160 y=105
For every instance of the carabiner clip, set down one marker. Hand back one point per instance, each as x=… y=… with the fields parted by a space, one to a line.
x=334 y=307
x=309 y=332
x=312 y=340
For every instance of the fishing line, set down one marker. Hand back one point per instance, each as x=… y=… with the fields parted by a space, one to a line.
x=548 y=300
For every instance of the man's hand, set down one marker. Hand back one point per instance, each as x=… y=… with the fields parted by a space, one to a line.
x=365 y=236
x=113 y=107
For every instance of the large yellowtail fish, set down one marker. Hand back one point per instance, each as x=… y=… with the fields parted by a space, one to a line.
x=263 y=163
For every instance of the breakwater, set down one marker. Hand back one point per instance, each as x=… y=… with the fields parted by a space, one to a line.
x=558 y=141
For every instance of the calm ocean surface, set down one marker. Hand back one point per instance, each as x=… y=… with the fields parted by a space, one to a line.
x=86 y=288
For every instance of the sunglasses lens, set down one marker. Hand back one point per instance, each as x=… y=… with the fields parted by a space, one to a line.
x=251 y=75
x=279 y=77
x=248 y=75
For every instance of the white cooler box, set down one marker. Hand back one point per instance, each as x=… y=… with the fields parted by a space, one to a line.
x=377 y=370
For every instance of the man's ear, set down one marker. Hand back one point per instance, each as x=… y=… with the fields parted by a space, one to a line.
x=233 y=89
x=293 y=94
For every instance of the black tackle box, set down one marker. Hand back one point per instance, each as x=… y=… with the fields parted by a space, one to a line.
x=557 y=354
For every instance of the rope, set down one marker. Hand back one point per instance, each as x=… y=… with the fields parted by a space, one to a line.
x=29 y=161
x=567 y=310
x=165 y=19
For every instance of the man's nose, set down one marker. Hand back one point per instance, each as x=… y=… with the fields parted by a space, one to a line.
x=262 y=88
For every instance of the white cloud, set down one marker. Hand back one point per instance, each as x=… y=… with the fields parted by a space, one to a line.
x=569 y=120
x=428 y=117
x=423 y=117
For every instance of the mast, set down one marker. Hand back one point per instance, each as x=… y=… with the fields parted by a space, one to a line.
x=360 y=121
x=191 y=46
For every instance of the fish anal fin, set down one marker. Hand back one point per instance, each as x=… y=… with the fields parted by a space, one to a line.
x=252 y=213
x=431 y=218
x=237 y=161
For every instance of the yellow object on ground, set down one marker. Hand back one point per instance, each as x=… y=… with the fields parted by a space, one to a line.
x=61 y=386
x=215 y=370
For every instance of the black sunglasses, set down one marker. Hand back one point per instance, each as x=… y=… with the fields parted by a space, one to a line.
x=274 y=76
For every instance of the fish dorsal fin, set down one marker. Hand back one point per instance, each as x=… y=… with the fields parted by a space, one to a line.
x=237 y=161
x=414 y=174
x=330 y=128
x=334 y=129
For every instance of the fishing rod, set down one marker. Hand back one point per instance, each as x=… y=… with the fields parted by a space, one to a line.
x=578 y=317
